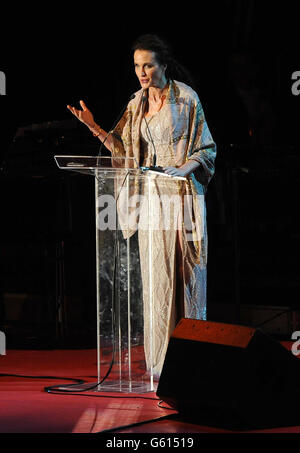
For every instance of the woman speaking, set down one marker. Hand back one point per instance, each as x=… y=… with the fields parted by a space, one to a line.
x=164 y=126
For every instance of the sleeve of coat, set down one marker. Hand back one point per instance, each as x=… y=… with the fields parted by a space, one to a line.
x=118 y=134
x=202 y=148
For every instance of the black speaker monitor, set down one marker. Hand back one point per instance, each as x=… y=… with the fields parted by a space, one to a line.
x=230 y=375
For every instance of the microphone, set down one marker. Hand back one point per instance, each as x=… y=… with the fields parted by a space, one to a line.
x=153 y=167
x=115 y=124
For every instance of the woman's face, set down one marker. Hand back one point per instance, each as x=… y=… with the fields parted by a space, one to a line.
x=149 y=72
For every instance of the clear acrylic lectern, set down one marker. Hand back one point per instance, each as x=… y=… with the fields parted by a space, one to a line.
x=124 y=298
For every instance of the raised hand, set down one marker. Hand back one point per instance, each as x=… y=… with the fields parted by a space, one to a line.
x=84 y=115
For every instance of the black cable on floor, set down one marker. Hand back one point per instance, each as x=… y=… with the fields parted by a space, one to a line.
x=132 y=425
x=78 y=381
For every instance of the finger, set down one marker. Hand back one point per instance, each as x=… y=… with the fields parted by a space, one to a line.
x=74 y=111
x=84 y=107
x=169 y=170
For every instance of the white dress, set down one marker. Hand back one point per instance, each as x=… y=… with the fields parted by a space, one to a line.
x=176 y=291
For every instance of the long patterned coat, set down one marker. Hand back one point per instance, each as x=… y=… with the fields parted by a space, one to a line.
x=179 y=132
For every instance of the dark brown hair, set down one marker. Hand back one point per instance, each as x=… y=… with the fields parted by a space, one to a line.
x=164 y=56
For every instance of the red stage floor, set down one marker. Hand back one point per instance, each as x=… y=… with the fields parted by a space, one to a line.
x=25 y=407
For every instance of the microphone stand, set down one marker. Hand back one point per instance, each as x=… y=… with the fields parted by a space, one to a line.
x=153 y=167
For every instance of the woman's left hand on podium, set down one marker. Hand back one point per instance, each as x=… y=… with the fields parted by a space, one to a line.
x=173 y=171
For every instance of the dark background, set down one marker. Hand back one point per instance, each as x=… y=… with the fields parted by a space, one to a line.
x=242 y=55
